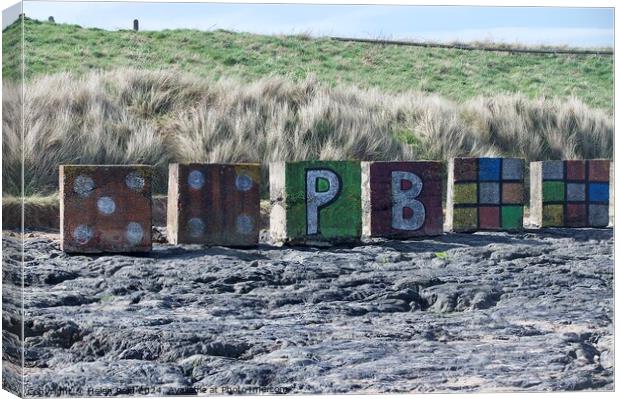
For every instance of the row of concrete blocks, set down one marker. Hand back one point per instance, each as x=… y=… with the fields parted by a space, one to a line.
x=108 y=208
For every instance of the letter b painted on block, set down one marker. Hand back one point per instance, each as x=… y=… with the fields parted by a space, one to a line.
x=322 y=188
x=406 y=187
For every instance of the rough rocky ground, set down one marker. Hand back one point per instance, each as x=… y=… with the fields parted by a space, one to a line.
x=480 y=312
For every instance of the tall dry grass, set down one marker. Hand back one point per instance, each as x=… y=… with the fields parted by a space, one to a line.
x=134 y=116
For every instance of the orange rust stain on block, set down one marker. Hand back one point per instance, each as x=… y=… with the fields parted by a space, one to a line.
x=214 y=204
x=105 y=208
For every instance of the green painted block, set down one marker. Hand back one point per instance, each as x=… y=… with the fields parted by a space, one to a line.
x=465 y=193
x=465 y=219
x=316 y=201
x=512 y=217
x=553 y=191
x=553 y=216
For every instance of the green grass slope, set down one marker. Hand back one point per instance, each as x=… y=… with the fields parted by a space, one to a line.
x=455 y=74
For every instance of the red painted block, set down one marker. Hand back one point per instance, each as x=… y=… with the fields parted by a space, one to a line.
x=465 y=169
x=598 y=170
x=576 y=215
x=575 y=170
x=402 y=199
x=215 y=204
x=105 y=208
x=489 y=217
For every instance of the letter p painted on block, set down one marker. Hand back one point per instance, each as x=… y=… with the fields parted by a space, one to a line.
x=316 y=198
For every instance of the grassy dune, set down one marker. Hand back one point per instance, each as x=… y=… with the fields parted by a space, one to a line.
x=455 y=74
x=95 y=96
x=157 y=117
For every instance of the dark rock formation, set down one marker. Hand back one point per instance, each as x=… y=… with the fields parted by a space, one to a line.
x=481 y=312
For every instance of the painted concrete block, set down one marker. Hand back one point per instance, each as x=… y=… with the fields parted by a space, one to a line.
x=105 y=208
x=489 y=217
x=512 y=193
x=575 y=192
x=575 y=170
x=402 y=199
x=572 y=193
x=576 y=215
x=598 y=170
x=466 y=193
x=214 y=204
x=553 y=191
x=315 y=202
x=485 y=194
x=489 y=193
x=553 y=170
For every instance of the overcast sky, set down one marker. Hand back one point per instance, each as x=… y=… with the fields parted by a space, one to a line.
x=534 y=25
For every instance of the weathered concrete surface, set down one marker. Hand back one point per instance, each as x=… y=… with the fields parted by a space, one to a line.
x=481 y=312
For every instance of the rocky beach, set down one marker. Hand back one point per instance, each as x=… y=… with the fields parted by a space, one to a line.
x=455 y=313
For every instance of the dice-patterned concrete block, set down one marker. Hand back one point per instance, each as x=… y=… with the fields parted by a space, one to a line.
x=105 y=208
x=214 y=204
x=315 y=202
x=485 y=194
x=571 y=193
x=402 y=199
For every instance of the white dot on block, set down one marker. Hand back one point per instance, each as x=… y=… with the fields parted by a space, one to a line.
x=82 y=234
x=134 y=181
x=83 y=185
x=134 y=233
x=196 y=179
x=243 y=182
x=245 y=224
x=106 y=205
x=196 y=227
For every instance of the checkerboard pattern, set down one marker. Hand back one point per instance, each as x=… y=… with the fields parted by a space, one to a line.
x=485 y=194
x=572 y=193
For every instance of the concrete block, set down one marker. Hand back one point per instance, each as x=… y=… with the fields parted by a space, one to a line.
x=489 y=217
x=512 y=169
x=553 y=215
x=512 y=193
x=553 y=191
x=489 y=193
x=105 y=208
x=571 y=193
x=598 y=215
x=575 y=192
x=489 y=169
x=575 y=170
x=466 y=169
x=598 y=170
x=489 y=199
x=315 y=202
x=576 y=215
x=402 y=199
x=553 y=170
x=466 y=193
x=214 y=204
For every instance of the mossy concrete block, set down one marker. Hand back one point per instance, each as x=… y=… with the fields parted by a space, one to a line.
x=315 y=202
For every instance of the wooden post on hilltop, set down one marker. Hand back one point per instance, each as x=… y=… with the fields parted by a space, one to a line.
x=135 y=25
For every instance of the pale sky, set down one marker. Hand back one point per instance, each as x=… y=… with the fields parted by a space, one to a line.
x=527 y=25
